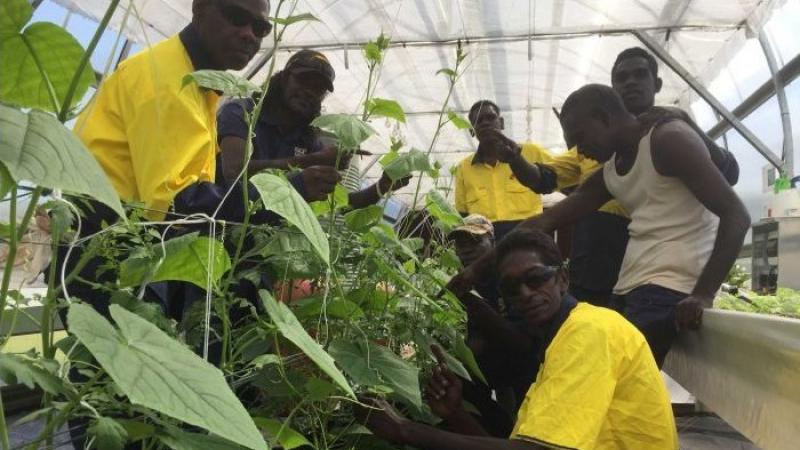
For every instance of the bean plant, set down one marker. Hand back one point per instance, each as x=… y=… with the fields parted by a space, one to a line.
x=350 y=308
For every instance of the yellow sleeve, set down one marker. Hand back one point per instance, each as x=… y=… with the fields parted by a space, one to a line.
x=461 y=201
x=568 y=404
x=534 y=153
x=567 y=167
x=100 y=126
x=172 y=145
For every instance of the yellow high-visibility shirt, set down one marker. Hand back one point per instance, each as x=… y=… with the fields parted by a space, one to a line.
x=152 y=136
x=598 y=389
x=494 y=191
x=572 y=168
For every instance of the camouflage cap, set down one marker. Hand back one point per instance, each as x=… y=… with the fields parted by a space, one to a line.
x=475 y=224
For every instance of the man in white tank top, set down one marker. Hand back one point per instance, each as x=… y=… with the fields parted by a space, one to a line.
x=687 y=224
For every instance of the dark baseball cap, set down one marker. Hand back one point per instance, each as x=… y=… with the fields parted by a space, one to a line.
x=306 y=61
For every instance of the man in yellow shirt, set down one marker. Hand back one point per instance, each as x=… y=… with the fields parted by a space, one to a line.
x=492 y=181
x=598 y=387
x=155 y=137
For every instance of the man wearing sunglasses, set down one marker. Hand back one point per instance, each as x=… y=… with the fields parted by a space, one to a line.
x=597 y=387
x=284 y=138
x=154 y=137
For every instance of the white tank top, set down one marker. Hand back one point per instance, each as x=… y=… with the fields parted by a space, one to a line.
x=671 y=232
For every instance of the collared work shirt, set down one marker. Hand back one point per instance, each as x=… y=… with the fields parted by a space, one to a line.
x=152 y=136
x=598 y=389
x=572 y=169
x=494 y=191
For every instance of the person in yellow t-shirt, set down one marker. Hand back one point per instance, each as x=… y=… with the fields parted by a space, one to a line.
x=494 y=181
x=154 y=136
x=598 y=387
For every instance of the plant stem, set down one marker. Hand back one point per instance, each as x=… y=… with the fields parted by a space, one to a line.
x=73 y=86
x=15 y=234
x=3 y=427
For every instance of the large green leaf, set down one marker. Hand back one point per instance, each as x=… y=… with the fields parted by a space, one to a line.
x=349 y=129
x=363 y=219
x=290 y=328
x=20 y=369
x=58 y=52
x=281 y=434
x=280 y=196
x=182 y=440
x=219 y=80
x=14 y=14
x=186 y=260
x=38 y=148
x=108 y=434
x=442 y=210
x=375 y=365
x=336 y=307
x=157 y=372
x=381 y=107
x=406 y=163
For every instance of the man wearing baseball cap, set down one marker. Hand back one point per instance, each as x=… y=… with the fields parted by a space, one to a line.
x=284 y=137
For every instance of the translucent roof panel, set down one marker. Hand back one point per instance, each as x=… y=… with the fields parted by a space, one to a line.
x=527 y=56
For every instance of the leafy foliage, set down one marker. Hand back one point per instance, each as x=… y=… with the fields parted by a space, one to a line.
x=281 y=197
x=108 y=434
x=350 y=130
x=44 y=58
x=221 y=81
x=37 y=148
x=183 y=258
x=157 y=372
x=381 y=107
x=404 y=164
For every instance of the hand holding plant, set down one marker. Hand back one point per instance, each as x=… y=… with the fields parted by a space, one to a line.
x=444 y=389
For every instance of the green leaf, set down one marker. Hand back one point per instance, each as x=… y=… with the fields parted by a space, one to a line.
x=280 y=196
x=136 y=430
x=372 y=52
x=59 y=54
x=6 y=182
x=186 y=260
x=383 y=235
x=341 y=198
x=108 y=434
x=181 y=440
x=361 y=220
x=447 y=71
x=19 y=369
x=366 y=363
x=381 y=107
x=406 y=163
x=290 y=328
x=219 y=80
x=337 y=308
x=264 y=360
x=38 y=148
x=349 y=129
x=389 y=157
x=442 y=210
x=149 y=311
x=14 y=14
x=293 y=19
x=281 y=434
x=319 y=389
x=157 y=372
x=458 y=121
x=465 y=355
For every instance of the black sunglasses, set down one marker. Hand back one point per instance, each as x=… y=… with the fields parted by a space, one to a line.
x=534 y=279
x=240 y=17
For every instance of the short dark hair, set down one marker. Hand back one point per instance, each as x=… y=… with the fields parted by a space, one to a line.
x=597 y=97
x=637 y=52
x=529 y=239
x=477 y=106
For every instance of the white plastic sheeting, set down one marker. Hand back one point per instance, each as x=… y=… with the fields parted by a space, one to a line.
x=527 y=56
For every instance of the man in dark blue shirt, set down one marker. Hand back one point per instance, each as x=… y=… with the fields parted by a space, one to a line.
x=284 y=138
